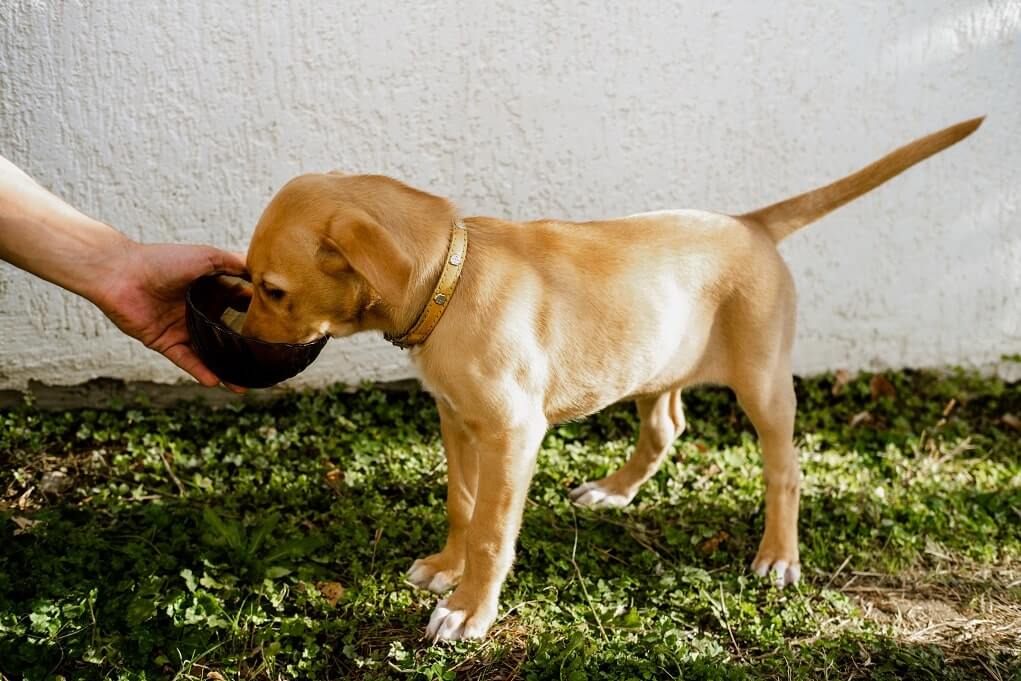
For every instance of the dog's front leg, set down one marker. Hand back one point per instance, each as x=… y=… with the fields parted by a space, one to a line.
x=442 y=570
x=506 y=461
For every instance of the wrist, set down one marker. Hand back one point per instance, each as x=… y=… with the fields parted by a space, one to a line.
x=106 y=261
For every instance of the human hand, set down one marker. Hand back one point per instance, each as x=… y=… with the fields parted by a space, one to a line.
x=145 y=298
x=140 y=287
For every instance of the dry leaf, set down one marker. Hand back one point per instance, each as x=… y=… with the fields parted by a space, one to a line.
x=880 y=387
x=949 y=407
x=54 y=482
x=713 y=543
x=860 y=418
x=331 y=591
x=334 y=479
x=840 y=379
x=1012 y=421
x=23 y=499
x=23 y=524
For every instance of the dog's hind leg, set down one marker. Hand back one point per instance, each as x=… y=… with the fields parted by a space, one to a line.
x=769 y=401
x=662 y=422
x=441 y=571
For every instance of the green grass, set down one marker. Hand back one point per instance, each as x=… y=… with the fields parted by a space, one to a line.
x=193 y=543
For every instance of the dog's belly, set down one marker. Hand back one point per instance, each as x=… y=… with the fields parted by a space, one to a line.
x=671 y=350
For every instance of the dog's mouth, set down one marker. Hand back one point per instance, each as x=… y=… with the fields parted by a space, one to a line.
x=322 y=332
x=236 y=320
x=236 y=313
x=315 y=336
x=217 y=308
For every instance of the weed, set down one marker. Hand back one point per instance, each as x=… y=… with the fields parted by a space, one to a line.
x=269 y=541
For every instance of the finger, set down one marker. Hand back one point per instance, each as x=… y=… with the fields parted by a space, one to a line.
x=225 y=261
x=180 y=353
x=184 y=357
x=240 y=290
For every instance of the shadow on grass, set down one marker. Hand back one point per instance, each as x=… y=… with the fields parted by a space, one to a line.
x=94 y=584
x=117 y=577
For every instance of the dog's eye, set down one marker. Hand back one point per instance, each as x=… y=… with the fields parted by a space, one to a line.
x=274 y=293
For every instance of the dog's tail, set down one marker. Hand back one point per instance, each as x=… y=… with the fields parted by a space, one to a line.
x=784 y=218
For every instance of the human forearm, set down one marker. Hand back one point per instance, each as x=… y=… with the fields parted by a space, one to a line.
x=140 y=287
x=45 y=236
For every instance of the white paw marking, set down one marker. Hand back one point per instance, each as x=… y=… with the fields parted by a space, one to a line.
x=424 y=577
x=445 y=624
x=441 y=583
x=450 y=625
x=591 y=495
x=780 y=572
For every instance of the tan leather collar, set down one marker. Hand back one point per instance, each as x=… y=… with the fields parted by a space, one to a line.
x=441 y=295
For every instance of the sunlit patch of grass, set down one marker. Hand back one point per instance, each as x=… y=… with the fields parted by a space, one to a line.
x=209 y=543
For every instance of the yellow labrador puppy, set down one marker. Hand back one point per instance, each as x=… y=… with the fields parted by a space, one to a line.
x=514 y=326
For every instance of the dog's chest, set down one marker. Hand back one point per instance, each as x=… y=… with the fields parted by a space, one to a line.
x=432 y=386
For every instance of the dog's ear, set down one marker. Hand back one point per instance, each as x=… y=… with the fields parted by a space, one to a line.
x=364 y=245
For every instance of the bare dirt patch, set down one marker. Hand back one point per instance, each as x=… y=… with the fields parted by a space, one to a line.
x=969 y=611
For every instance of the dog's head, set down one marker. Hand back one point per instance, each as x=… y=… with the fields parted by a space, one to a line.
x=323 y=262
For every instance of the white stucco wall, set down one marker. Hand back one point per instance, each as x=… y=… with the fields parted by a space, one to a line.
x=177 y=121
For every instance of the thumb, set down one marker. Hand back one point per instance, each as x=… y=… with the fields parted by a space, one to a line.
x=224 y=261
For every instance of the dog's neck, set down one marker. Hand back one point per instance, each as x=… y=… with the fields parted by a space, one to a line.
x=441 y=294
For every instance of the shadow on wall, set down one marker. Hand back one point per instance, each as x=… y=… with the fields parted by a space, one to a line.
x=984 y=25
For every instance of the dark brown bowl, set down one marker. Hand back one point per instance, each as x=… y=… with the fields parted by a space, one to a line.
x=237 y=359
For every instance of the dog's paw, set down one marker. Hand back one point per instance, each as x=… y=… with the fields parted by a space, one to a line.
x=434 y=574
x=449 y=623
x=593 y=495
x=781 y=571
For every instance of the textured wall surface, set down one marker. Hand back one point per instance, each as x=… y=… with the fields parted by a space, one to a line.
x=177 y=121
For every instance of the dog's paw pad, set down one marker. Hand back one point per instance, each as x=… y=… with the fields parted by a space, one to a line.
x=591 y=495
